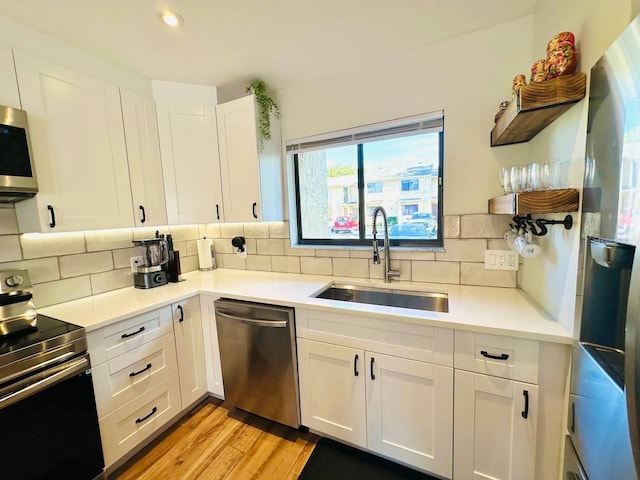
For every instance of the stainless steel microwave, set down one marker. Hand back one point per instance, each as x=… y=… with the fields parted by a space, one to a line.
x=17 y=173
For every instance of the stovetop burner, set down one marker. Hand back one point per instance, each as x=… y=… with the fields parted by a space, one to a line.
x=46 y=328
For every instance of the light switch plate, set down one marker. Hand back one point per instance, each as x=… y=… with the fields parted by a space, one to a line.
x=500 y=260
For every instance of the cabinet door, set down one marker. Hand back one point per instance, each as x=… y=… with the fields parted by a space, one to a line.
x=143 y=152
x=211 y=347
x=495 y=427
x=187 y=325
x=410 y=411
x=332 y=390
x=190 y=162
x=79 y=150
x=238 y=142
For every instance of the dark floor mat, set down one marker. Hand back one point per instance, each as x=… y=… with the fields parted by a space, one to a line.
x=334 y=461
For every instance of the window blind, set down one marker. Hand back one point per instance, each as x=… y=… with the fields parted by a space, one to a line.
x=401 y=127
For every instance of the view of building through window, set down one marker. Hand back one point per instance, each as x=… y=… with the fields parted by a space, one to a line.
x=337 y=186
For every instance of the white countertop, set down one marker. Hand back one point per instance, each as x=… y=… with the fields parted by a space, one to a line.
x=501 y=311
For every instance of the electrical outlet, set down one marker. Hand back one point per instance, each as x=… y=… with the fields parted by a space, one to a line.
x=500 y=260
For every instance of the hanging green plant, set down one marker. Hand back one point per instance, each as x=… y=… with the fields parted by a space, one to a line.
x=266 y=106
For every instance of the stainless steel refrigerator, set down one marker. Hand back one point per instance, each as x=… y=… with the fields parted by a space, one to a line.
x=604 y=406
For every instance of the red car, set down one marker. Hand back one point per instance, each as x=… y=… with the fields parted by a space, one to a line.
x=345 y=224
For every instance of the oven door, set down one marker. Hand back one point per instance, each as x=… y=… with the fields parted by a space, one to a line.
x=49 y=425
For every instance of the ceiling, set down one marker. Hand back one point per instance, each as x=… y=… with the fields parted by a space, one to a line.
x=283 y=42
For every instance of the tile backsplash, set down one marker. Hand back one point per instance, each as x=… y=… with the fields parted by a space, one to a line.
x=67 y=266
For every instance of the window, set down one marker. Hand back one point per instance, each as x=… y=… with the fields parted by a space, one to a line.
x=340 y=178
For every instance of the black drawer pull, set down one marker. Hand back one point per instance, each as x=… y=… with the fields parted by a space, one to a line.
x=181 y=314
x=253 y=210
x=133 y=374
x=373 y=377
x=525 y=412
x=52 y=213
x=127 y=335
x=502 y=356
x=217 y=211
x=355 y=366
x=153 y=410
x=143 y=217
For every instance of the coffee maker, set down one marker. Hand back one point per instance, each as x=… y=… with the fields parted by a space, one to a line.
x=152 y=257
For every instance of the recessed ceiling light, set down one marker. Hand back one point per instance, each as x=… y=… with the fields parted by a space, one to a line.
x=170 y=18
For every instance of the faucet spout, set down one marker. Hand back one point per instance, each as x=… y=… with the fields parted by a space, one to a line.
x=388 y=273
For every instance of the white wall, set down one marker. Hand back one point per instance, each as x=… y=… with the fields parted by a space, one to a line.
x=467 y=76
x=551 y=278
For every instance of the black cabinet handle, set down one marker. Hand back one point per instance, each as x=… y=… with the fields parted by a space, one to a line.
x=127 y=335
x=133 y=374
x=153 y=410
x=525 y=412
x=502 y=356
x=181 y=314
x=143 y=215
x=373 y=377
x=355 y=366
x=253 y=209
x=217 y=211
x=572 y=426
x=52 y=214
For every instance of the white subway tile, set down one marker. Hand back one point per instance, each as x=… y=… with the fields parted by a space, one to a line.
x=85 y=263
x=298 y=251
x=404 y=266
x=435 y=272
x=316 y=266
x=475 y=274
x=451 y=226
x=98 y=240
x=273 y=246
x=10 y=248
x=230 y=230
x=8 y=221
x=285 y=264
x=59 y=291
x=192 y=247
x=122 y=257
x=189 y=263
x=351 y=267
x=412 y=255
x=112 y=280
x=144 y=233
x=51 y=245
x=332 y=252
x=484 y=226
x=256 y=230
x=279 y=229
x=259 y=262
x=212 y=230
x=471 y=250
x=184 y=232
x=40 y=269
x=251 y=246
x=231 y=260
x=222 y=245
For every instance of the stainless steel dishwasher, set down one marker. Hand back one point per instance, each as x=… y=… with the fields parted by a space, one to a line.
x=258 y=357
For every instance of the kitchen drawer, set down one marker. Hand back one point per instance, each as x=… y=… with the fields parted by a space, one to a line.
x=408 y=340
x=499 y=356
x=118 y=338
x=135 y=421
x=125 y=377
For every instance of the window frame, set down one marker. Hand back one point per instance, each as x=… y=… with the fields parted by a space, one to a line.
x=434 y=243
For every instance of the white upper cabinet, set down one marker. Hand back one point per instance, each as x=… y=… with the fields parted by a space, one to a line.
x=78 y=148
x=189 y=150
x=143 y=152
x=251 y=179
x=8 y=84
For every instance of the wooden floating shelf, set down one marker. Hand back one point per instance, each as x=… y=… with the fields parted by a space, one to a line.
x=536 y=106
x=544 y=201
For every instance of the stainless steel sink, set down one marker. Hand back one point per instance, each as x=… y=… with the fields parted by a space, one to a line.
x=435 y=302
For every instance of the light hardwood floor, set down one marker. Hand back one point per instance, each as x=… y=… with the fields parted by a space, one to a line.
x=212 y=442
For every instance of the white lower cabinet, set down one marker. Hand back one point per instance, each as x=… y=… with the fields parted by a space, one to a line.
x=400 y=408
x=211 y=346
x=187 y=326
x=332 y=390
x=495 y=428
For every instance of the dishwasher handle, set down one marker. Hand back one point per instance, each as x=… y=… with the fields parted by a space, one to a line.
x=257 y=322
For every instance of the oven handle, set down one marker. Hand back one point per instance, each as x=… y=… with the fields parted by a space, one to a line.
x=62 y=372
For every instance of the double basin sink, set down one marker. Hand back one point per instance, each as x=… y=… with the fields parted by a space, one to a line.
x=431 y=301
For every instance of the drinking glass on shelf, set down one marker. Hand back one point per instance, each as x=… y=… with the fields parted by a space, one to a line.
x=540 y=175
x=505 y=179
x=519 y=176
